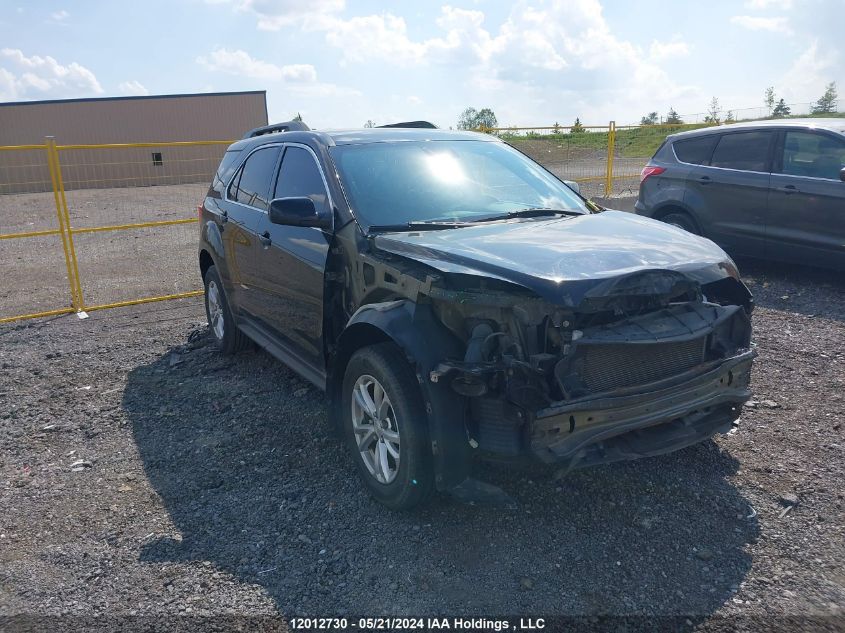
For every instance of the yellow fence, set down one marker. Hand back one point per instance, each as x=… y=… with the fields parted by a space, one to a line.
x=605 y=160
x=88 y=227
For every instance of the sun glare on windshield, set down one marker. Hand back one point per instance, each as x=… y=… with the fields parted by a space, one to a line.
x=399 y=182
x=445 y=168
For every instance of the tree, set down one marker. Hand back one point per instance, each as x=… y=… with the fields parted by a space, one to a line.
x=370 y=123
x=650 y=119
x=556 y=128
x=486 y=119
x=729 y=117
x=298 y=117
x=713 y=111
x=472 y=119
x=769 y=99
x=673 y=117
x=827 y=102
x=577 y=128
x=781 y=110
x=467 y=119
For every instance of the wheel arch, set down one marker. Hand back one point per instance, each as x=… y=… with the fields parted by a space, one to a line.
x=211 y=243
x=206 y=262
x=677 y=207
x=425 y=342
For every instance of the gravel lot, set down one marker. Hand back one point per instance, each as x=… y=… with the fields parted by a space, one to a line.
x=144 y=474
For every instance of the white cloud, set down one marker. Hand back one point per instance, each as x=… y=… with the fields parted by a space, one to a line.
x=8 y=85
x=544 y=59
x=376 y=37
x=60 y=16
x=296 y=78
x=766 y=4
x=37 y=77
x=276 y=14
x=659 y=51
x=133 y=88
x=808 y=75
x=754 y=23
x=239 y=62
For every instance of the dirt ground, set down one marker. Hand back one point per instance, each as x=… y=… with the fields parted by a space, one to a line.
x=144 y=475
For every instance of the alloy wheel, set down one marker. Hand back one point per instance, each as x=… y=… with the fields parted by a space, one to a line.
x=215 y=310
x=375 y=428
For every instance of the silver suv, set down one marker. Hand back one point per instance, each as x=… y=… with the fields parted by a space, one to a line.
x=767 y=189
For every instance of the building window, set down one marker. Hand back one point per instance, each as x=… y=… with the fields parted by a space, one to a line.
x=157 y=159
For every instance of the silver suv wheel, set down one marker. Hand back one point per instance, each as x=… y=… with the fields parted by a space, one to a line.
x=215 y=310
x=375 y=428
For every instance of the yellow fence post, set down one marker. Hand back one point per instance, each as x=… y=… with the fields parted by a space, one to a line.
x=611 y=144
x=77 y=283
x=64 y=230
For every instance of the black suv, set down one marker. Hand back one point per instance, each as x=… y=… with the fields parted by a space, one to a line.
x=456 y=300
x=770 y=189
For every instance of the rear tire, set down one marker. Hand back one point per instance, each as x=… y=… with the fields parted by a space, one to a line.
x=682 y=221
x=226 y=334
x=385 y=427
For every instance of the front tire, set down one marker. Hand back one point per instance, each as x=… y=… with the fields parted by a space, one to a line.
x=385 y=427
x=226 y=334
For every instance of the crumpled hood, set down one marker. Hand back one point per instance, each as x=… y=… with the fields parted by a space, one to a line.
x=563 y=258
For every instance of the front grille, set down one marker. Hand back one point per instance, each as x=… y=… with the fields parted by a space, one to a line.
x=617 y=365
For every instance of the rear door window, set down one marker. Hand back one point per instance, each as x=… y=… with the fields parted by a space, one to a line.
x=696 y=151
x=812 y=155
x=224 y=172
x=746 y=151
x=252 y=185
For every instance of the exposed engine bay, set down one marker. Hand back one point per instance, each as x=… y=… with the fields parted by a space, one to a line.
x=527 y=362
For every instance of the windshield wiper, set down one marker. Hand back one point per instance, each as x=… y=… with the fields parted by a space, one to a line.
x=532 y=212
x=416 y=225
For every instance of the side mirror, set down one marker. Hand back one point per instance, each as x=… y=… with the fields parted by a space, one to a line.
x=297 y=212
x=573 y=185
x=842 y=174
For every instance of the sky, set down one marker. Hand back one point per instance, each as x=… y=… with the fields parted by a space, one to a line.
x=341 y=63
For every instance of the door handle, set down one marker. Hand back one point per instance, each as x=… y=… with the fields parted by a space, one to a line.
x=788 y=189
x=704 y=180
x=265 y=240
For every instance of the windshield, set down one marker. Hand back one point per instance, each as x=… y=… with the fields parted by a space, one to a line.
x=460 y=181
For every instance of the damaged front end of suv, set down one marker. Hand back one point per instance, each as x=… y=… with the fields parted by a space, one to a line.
x=643 y=364
x=524 y=359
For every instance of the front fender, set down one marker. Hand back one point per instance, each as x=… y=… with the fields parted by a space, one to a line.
x=426 y=343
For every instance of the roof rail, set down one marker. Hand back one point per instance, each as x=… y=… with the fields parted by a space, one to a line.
x=286 y=126
x=412 y=124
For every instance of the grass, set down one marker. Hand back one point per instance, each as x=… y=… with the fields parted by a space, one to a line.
x=631 y=141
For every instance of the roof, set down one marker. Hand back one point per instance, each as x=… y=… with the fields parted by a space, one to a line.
x=392 y=135
x=364 y=136
x=832 y=124
x=136 y=98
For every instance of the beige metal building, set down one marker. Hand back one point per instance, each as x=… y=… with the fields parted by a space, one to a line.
x=221 y=116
